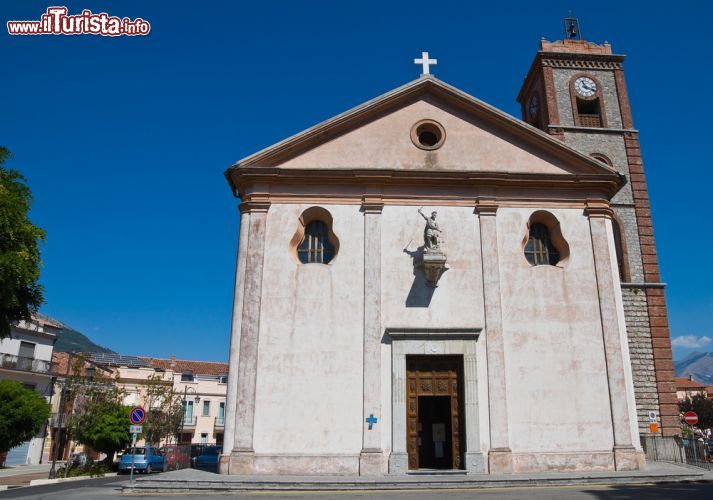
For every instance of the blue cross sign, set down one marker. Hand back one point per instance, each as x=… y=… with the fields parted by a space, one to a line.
x=371 y=420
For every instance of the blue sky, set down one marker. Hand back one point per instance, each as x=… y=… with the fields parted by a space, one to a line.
x=124 y=140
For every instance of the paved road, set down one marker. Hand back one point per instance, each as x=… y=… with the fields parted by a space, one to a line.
x=109 y=488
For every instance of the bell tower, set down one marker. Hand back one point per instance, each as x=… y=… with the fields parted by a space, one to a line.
x=575 y=91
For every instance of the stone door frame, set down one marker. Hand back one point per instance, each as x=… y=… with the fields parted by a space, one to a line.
x=433 y=341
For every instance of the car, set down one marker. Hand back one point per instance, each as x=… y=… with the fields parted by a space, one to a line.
x=177 y=457
x=208 y=458
x=145 y=459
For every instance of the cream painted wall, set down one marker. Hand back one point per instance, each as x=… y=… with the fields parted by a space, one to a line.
x=406 y=301
x=310 y=353
x=557 y=387
x=386 y=143
x=311 y=325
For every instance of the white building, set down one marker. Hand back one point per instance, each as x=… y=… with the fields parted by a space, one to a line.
x=202 y=386
x=360 y=347
x=26 y=356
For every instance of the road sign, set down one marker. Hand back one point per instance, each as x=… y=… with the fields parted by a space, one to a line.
x=137 y=415
x=691 y=417
x=136 y=429
x=652 y=417
x=654 y=428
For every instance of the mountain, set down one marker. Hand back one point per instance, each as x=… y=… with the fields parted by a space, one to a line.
x=69 y=340
x=698 y=364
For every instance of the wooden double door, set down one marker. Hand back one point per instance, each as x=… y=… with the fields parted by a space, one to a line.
x=434 y=410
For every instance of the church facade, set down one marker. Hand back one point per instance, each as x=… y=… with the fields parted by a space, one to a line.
x=426 y=282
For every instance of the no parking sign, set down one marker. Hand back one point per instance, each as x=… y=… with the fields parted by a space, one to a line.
x=137 y=415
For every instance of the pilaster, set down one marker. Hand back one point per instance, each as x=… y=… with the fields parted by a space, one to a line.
x=500 y=454
x=371 y=458
x=626 y=456
x=242 y=456
x=236 y=322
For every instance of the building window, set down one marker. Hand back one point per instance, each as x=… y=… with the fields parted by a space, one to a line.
x=186 y=377
x=589 y=113
x=428 y=135
x=223 y=379
x=27 y=350
x=206 y=408
x=543 y=243
x=539 y=249
x=314 y=242
x=602 y=158
x=204 y=437
x=315 y=245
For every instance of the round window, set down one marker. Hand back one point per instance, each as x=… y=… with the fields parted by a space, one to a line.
x=428 y=134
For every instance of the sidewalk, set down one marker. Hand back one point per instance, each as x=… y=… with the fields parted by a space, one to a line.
x=21 y=475
x=192 y=480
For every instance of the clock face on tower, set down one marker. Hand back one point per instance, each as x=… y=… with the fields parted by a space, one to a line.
x=534 y=106
x=585 y=86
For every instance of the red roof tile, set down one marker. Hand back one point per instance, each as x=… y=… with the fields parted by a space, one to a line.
x=188 y=366
x=687 y=383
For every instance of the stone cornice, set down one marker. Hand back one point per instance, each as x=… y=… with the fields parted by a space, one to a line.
x=589 y=130
x=261 y=205
x=597 y=208
x=486 y=206
x=643 y=285
x=581 y=61
x=432 y=333
x=254 y=184
x=372 y=205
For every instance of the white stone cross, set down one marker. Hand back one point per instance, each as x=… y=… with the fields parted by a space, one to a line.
x=425 y=62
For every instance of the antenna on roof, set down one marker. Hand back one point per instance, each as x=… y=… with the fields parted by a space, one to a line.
x=571 y=28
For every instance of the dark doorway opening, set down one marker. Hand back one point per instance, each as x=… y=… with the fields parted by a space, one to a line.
x=434 y=411
x=435 y=450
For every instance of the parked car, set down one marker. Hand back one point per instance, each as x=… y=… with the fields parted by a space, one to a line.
x=177 y=457
x=145 y=459
x=208 y=459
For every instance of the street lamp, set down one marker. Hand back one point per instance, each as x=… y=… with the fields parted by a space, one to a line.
x=185 y=406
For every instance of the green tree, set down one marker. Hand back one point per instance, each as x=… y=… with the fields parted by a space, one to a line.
x=165 y=412
x=703 y=408
x=20 y=294
x=23 y=412
x=98 y=417
x=103 y=426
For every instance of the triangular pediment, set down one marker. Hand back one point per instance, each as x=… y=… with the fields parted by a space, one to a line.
x=377 y=135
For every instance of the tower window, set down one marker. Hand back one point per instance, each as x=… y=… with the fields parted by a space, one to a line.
x=315 y=246
x=589 y=112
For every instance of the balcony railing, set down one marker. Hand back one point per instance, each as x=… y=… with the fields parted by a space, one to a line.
x=220 y=421
x=189 y=421
x=25 y=364
x=590 y=121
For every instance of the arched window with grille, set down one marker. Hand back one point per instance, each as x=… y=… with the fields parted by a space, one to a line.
x=539 y=249
x=315 y=246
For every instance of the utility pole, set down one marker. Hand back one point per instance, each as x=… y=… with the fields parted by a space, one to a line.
x=53 y=470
